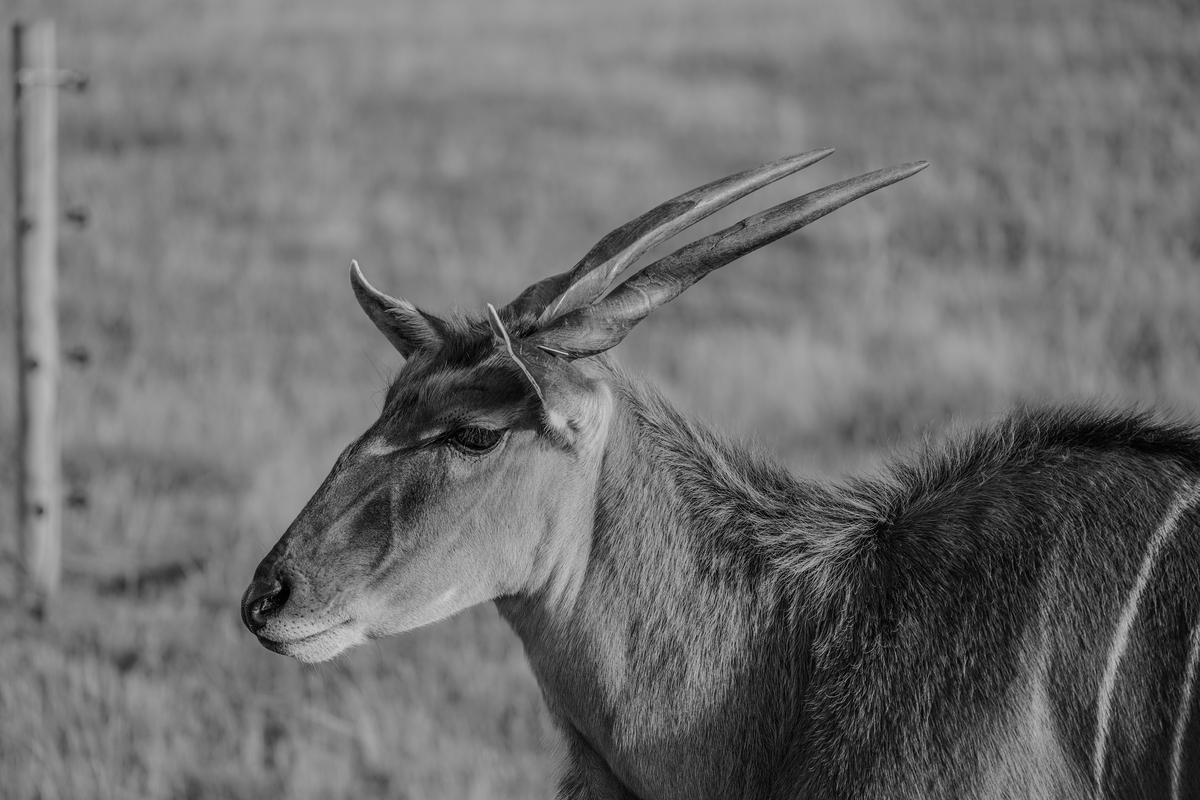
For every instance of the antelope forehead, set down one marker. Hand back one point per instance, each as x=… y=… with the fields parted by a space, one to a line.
x=436 y=402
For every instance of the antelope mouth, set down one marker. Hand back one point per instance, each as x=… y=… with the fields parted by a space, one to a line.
x=320 y=646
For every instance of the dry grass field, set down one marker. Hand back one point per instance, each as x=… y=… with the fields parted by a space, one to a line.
x=237 y=155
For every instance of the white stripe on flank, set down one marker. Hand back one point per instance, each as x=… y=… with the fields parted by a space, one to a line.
x=1185 y=710
x=1121 y=638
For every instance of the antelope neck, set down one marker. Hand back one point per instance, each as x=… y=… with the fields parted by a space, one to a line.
x=666 y=632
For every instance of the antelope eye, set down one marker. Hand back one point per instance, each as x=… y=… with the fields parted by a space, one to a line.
x=476 y=440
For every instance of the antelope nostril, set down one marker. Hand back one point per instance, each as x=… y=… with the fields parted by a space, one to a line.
x=270 y=602
x=263 y=600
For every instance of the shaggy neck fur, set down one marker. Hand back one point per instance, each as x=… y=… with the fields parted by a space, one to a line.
x=681 y=592
x=737 y=631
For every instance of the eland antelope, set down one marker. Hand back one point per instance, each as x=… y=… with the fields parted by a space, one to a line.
x=1010 y=614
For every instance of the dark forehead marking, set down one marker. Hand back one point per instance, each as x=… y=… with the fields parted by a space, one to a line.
x=468 y=346
x=441 y=395
x=466 y=343
x=465 y=376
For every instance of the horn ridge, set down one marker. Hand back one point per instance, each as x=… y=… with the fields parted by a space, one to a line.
x=597 y=327
x=588 y=280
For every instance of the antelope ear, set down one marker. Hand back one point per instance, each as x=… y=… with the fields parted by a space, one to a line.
x=408 y=328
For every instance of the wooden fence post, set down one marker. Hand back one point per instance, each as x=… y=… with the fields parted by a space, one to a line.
x=35 y=89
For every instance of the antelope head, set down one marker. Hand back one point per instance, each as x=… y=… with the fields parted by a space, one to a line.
x=478 y=479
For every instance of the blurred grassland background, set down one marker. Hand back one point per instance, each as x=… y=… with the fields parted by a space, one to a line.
x=236 y=156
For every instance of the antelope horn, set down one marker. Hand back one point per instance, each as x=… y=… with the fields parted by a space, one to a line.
x=590 y=278
x=595 y=328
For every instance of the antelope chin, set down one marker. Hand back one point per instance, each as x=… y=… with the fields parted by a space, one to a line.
x=321 y=646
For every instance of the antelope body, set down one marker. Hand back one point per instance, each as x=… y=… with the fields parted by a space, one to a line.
x=1014 y=614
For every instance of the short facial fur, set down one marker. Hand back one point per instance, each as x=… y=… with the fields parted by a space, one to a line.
x=412 y=525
